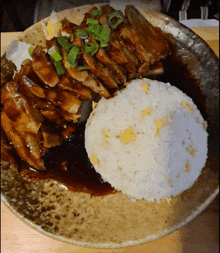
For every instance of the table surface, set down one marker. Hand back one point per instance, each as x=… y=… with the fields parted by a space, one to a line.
x=201 y=235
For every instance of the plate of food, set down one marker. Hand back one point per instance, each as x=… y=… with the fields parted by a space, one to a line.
x=109 y=126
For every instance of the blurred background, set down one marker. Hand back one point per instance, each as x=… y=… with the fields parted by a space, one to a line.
x=18 y=15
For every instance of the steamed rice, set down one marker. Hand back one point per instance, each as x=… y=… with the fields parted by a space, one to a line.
x=149 y=141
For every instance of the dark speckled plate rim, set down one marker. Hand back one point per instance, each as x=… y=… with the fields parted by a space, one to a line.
x=112 y=245
x=177 y=26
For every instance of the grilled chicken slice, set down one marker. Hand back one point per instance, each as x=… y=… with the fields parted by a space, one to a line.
x=21 y=124
x=117 y=49
x=43 y=67
x=85 y=78
x=103 y=56
x=78 y=89
x=151 y=43
x=51 y=138
x=155 y=69
x=97 y=68
x=64 y=99
x=54 y=116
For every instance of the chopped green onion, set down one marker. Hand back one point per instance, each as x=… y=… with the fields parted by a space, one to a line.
x=54 y=53
x=96 y=12
x=117 y=16
x=67 y=65
x=92 y=21
x=74 y=52
x=71 y=37
x=64 y=42
x=100 y=33
x=72 y=56
x=82 y=68
x=81 y=34
x=30 y=50
x=91 y=48
x=59 y=67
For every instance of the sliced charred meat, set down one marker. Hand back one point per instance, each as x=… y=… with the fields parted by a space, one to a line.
x=151 y=43
x=85 y=78
x=155 y=69
x=103 y=56
x=43 y=67
x=51 y=137
x=21 y=124
x=64 y=99
x=78 y=89
x=100 y=71
x=117 y=49
x=68 y=28
x=53 y=116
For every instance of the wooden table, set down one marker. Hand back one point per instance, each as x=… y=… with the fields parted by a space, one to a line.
x=199 y=236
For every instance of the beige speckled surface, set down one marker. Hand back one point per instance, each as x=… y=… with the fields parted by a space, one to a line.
x=102 y=222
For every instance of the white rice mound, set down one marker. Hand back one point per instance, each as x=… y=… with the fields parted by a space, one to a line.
x=164 y=148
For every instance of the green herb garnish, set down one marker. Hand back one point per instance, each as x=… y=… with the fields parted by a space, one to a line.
x=54 y=53
x=92 y=21
x=71 y=37
x=59 y=67
x=100 y=33
x=91 y=48
x=81 y=34
x=82 y=68
x=30 y=50
x=115 y=19
x=64 y=42
x=72 y=56
x=96 y=13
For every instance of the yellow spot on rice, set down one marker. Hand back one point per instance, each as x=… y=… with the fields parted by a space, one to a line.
x=169 y=181
x=146 y=112
x=192 y=152
x=145 y=87
x=187 y=105
x=104 y=134
x=204 y=125
x=94 y=159
x=160 y=124
x=187 y=166
x=128 y=136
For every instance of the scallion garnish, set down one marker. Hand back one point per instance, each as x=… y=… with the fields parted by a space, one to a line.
x=82 y=68
x=72 y=56
x=92 y=21
x=54 y=53
x=64 y=42
x=116 y=17
x=71 y=37
x=81 y=34
x=100 y=33
x=96 y=13
x=59 y=67
x=30 y=50
x=91 y=48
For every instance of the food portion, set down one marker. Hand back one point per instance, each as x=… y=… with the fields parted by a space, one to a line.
x=148 y=141
x=53 y=88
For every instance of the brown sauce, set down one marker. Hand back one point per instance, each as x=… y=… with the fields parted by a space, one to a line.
x=70 y=165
